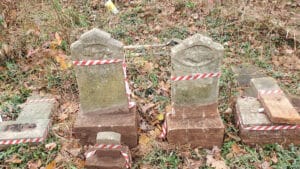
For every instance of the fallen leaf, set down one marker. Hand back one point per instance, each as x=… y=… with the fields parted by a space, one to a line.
x=62 y=60
x=51 y=165
x=217 y=164
x=58 y=38
x=62 y=116
x=160 y=117
x=34 y=164
x=144 y=139
x=147 y=107
x=50 y=146
x=148 y=67
x=14 y=159
x=236 y=149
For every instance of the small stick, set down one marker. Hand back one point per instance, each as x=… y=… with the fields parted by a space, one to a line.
x=172 y=42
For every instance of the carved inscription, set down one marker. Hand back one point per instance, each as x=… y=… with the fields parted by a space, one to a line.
x=20 y=127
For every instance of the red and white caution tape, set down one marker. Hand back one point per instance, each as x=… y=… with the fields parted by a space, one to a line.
x=195 y=76
x=164 y=126
x=267 y=127
x=126 y=157
x=110 y=146
x=26 y=140
x=110 y=61
x=96 y=62
x=270 y=92
x=128 y=91
x=40 y=100
x=273 y=127
x=18 y=141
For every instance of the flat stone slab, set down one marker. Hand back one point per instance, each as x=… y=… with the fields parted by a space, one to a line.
x=198 y=131
x=107 y=158
x=249 y=112
x=87 y=127
x=25 y=131
x=38 y=107
x=244 y=73
x=264 y=132
x=277 y=106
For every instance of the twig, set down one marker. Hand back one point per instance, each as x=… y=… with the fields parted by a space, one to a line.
x=144 y=46
x=172 y=42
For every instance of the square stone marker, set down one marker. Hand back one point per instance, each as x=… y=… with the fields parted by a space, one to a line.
x=108 y=137
x=14 y=132
x=199 y=131
x=38 y=107
x=256 y=128
x=277 y=106
x=107 y=158
x=88 y=126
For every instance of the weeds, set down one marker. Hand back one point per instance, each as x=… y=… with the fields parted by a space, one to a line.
x=162 y=159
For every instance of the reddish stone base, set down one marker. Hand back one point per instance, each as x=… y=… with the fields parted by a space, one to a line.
x=198 y=131
x=87 y=127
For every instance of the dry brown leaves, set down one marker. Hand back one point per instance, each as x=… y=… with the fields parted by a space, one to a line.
x=214 y=159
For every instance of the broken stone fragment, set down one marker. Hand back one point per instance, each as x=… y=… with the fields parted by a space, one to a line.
x=277 y=106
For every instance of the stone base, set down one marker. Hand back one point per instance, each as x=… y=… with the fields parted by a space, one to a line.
x=252 y=126
x=190 y=111
x=107 y=159
x=87 y=127
x=198 y=131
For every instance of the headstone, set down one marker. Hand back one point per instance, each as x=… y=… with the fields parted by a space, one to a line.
x=102 y=93
x=195 y=85
x=256 y=128
x=101 y=87
x=277 y=106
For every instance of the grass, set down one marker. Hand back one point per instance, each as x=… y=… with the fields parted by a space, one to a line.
x=18 y=156
x=162 y=159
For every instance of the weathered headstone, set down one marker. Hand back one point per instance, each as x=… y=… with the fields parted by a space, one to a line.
x=277 y=106
x=98 y=60
x=108 y=152
x=195 y=78
x=256 y=128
